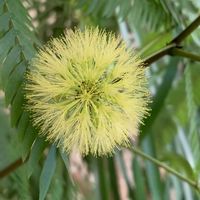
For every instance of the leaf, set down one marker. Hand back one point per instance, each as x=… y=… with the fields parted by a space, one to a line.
x=161 y=94
x=124 y=172
x=102 y=179
x=23 y=185
x=193 y=135
x=92 y=6
x=113 y=178
x=4 y=22
x=17 y=47
x=110 y=8
x=36 y=152
x=14 y=82
x=140 y=193
x=152 y=171
x=57 y=189
x=22 y=126
x=6 y=43
x=179 y=163
x=47 y=173
x=6 y=135
x=16 y=109
x=12 y=59
x=150 y=14
x=72 y=187
x=154 y=42
x=66 y=162
x=27 y=141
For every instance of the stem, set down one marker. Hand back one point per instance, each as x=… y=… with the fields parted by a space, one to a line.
x=13 y=166
x=174 y=43
x=185 y=33
x=180 y=52
x=167 y=168
x=159 y=54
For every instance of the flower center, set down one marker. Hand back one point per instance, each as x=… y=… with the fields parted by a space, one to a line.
x=86 y=95
x=87 y=90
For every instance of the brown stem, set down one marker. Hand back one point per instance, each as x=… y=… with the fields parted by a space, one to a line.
x=13 y=166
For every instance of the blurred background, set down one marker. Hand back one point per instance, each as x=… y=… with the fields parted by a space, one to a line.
x=32 y=169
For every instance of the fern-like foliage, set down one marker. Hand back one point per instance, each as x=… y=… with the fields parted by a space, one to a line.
x=17 y=41
x=193 y=135
x=150 y=14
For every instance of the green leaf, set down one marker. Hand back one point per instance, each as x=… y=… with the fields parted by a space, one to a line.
x=66 y=162
x=57 y=189
x=1 y=7
x=7 y=135
x=14 y=82
x=22 y=126
x=35 y=155
x=179 y=163
x=140 y=193
x=23 y=184
x=154 y=42
x=19 y=13
x=193 y=135
x=161 y=94
x=72 y=187
x=131 y=191
x=4 y=23
x=102 y=179
x=16 y=109
x=110 y=8
x=6 y=43
x=153 y=175
x=150 y=15
x=17 y=47
x=27 y=141
x=47 y=173
x=12 y=59
x=113 y=178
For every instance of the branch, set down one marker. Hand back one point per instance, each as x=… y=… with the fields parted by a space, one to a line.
x=159 y=54
x=13 y=166
x=180 y=52
x=174 y=44
x=185 y=33
x=167 y=168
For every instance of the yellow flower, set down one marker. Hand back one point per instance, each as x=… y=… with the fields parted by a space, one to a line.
x=85 y=90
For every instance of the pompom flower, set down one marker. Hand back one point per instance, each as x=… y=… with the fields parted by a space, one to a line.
x=85 y=90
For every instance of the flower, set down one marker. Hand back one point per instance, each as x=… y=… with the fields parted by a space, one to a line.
x=85 y=90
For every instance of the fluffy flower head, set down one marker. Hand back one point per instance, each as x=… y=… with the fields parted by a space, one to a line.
x=85 y=90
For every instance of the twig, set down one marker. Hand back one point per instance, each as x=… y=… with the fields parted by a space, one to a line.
x=185 y=33
x=159 y=54
x=182 y=53
x=167 y=168
x=13 y=166
x=174 y=43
